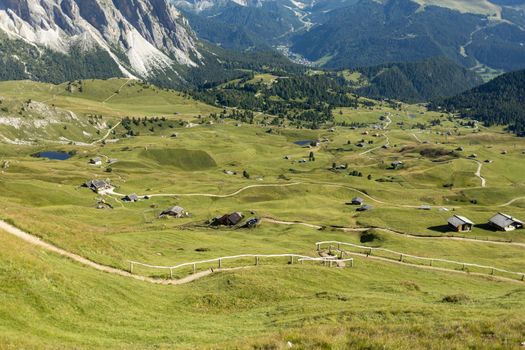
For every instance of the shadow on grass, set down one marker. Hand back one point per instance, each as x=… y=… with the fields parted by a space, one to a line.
x=441 y=229
x=486 y=226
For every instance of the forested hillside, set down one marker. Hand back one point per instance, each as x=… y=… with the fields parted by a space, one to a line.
x=371 y=32
x=420 y=81
x=499 y=102
x=18 y=60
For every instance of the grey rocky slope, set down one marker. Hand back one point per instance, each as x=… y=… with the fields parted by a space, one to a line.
x=141 y=37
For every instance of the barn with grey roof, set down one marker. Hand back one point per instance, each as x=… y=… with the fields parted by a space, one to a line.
x=504 y=222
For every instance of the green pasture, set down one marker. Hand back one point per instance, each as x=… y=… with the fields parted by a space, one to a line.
x=219 y=168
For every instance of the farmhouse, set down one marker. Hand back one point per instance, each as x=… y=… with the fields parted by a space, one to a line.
x=98 y=186
x=504 y=222
x=228 y=219
x=95 y=161
x=176 y=212
x=460 y=223
x=131 y=198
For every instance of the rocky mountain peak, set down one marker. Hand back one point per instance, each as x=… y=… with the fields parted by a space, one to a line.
x=142 y=36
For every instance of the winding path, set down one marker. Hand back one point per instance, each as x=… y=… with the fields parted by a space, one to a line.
x=297 y=183
x=107 y=134
x=387 y=230
x=33 y=240
x=208 y=194
x=512 y=201
x=118 y=90
x=387 y=124
x=29 y=238
x=10 y=229
x=478 y=174
x=417 y=138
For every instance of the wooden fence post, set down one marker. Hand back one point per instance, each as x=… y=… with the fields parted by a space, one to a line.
x=220 y=263
x=318 y=246
x=431 y=262
x=523 y=277
x=401 y=258
x=171 y=273
x=256 y=261
x=291 y=260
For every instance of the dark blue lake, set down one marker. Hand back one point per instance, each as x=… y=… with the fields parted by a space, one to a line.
x=53 y=155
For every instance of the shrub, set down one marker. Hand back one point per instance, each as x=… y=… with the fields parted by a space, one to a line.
x=455 y=299
x=370 y=236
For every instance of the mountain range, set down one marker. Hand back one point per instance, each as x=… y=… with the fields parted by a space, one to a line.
x=477 y=34
x=188 y=42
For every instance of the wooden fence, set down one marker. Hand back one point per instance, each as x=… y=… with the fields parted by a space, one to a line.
x=406 y=258
x=257 y=257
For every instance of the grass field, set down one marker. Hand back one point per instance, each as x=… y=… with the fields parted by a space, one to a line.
x=51 y=302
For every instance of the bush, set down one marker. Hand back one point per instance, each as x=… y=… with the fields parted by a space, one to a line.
x=455 y=299
x=370 y=236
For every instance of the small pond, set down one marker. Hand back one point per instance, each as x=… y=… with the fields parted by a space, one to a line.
x=54 y=155
x=304 y=142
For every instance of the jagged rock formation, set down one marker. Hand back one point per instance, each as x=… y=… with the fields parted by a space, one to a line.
x=143 y=37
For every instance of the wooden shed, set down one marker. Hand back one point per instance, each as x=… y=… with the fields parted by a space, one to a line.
x=504 y=222
x=460 y=223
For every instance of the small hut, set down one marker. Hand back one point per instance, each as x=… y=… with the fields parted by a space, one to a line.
x=365 y=208
x=358 y=201
x=460 y=223
x=228 y=219
x=131 y=198
x=95 y=161
x=98 y=186
x=175 y=212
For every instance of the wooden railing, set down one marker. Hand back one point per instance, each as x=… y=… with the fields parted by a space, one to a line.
x=257 y=257
x=402 y=257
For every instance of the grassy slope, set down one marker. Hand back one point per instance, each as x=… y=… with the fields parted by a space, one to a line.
x=373 y=304
x=49 y=302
